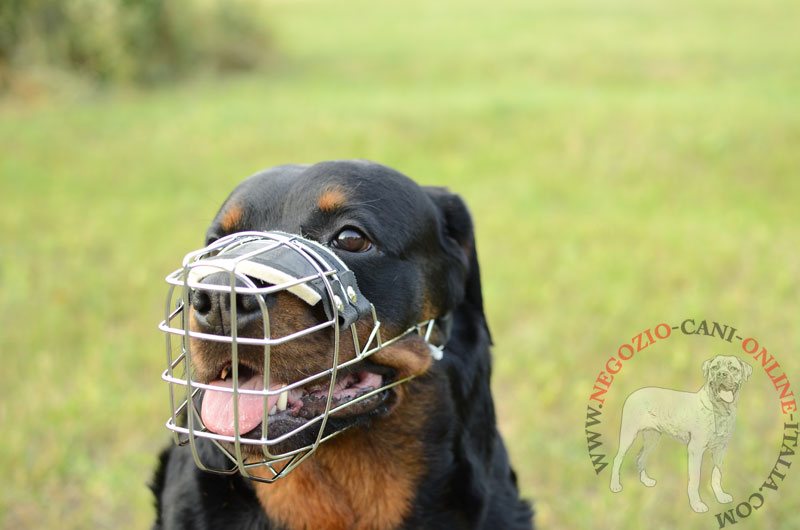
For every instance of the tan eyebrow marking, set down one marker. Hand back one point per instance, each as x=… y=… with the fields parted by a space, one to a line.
x=331 y=199
x=231 y=218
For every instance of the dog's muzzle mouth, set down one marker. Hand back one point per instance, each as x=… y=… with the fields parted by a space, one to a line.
x=725 y=390
x=253 y=417
x=354 y=402
x=726 y=383
x=352 y=395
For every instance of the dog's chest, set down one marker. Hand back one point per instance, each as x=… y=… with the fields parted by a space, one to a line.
x=724 y=422
x=305 y=500
x=348 y=485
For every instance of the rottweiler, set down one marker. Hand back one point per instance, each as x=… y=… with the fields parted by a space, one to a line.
x=425 y=454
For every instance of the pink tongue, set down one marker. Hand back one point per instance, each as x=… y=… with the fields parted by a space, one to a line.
x=217 y=408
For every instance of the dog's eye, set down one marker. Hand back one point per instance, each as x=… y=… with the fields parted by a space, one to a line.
x=351 y=240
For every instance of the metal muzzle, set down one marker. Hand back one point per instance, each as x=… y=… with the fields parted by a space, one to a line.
x=256 y=265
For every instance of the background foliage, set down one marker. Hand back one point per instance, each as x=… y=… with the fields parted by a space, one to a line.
x=627 y=163
x=45 y=42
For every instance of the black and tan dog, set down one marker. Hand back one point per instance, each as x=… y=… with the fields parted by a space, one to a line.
x=425 y=454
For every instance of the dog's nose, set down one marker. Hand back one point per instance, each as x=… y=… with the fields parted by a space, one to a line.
x=212 y=308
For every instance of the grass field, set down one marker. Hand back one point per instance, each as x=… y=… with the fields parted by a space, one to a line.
x=627 y=163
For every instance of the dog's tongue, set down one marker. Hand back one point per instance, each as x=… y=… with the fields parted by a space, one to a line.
x=726 y=395
x=217 y=408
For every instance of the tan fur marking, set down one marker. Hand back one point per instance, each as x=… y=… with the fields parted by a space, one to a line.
x=331 y=199
x=428 y=309
x=410 y=356
x=231 y=218
x=365 y=479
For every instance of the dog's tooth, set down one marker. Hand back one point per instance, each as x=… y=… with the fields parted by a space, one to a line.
x=273 y=410
x=283 y=400
x=224 y=373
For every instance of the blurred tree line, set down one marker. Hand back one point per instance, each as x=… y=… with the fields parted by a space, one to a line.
x=128 y=41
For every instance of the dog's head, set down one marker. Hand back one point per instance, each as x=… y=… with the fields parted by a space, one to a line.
x=412 y=252
x=725 y=375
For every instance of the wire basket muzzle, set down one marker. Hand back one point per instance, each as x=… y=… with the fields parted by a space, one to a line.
x=260 y=265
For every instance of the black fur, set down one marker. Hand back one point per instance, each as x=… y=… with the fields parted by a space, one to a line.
x=424 y=250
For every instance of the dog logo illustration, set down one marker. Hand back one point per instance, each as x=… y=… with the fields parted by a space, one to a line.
x=703 y=420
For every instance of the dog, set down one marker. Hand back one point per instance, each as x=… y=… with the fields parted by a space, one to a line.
x=425 y=454
x=703 y=420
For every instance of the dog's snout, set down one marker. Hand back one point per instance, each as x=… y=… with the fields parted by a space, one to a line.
x=212 y=308
x=201 y=301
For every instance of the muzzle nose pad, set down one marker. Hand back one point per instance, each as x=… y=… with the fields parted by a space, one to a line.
x=212 y=308
x=311 y=271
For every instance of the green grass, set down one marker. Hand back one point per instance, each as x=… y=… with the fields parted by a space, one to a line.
x=627 y=163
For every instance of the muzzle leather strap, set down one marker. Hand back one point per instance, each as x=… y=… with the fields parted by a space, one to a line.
x=275 y=263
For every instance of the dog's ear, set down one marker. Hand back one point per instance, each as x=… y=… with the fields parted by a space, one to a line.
x=747 y=370
x=707 y=367
x=458 y=239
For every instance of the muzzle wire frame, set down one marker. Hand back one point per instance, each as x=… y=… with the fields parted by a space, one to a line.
x=180 y=372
